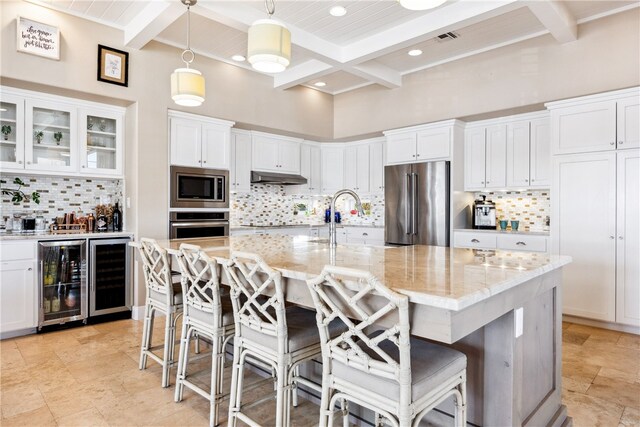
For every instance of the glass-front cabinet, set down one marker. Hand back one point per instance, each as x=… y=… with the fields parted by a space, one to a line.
x=101 y=141
x=50 y=142
x=12 y=136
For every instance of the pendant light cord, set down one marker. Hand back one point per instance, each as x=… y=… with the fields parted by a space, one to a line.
x=270 y=5
x=188 y=50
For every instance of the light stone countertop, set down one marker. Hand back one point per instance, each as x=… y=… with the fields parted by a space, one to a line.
x=448 y=278
x=286 y=226
x=519 y=232
x=47 y=235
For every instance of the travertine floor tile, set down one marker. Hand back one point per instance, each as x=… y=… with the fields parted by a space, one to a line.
x=569 y=336
x=20 y=399
x=629 y=341
x=618 y=375
x=89 y=418
x=575 y=385
x=591 y=411
x=614 y=390
x=630 y=418
x=596 y=334
x=63 y=401
x=582 y=372
x=41 y=417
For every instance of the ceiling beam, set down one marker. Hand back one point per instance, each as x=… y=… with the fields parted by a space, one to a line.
x=377 y=73
x=301 y=73
x=151 y=21
x=555 y=16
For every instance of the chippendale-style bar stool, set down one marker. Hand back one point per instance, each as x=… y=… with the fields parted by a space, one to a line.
x=163 y=296
x=207 y=313
x=279 y=336
x=383 y=369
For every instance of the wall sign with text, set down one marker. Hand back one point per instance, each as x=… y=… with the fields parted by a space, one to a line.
x=37 y=38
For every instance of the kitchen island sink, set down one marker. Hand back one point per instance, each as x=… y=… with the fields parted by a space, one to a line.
x=502 y=309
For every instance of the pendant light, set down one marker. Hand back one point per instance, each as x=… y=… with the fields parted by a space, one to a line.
x=420 y=4
x=269 y=47
x=187 y=84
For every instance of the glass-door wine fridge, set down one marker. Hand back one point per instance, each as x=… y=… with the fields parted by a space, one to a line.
x=110 y=290
x=62 y=271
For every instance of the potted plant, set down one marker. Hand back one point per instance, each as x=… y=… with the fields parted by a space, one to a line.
x=38 y=135
x=58 y=137
x=18 y=195
x=6 y=131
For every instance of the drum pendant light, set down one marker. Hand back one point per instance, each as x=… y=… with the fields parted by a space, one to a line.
x=269 y=47
x=420 y=4
x=187 y=84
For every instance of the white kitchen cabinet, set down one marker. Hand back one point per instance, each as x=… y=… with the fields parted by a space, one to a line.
x=500 y=240
x=433 y=144
x=540 y=153
x=240 y=161
x=272 y=153
x=370 y=236
x=198 y=141
x=18 y=295
x=310 y=168
x=496 y=157
x=628 y=126
x=420 y=143
x=332 y=169
x=475 y=240
x=356 y=173
x=12 y=121
x=376 y=167
x=628 y=238
x=401 y=148
x=51 y=139
x=601 y=122
x=518 y=154
x=584 y=227
x=101 y=141
x=474 y=159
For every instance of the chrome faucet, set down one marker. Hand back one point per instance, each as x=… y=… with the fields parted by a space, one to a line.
x=333 y=242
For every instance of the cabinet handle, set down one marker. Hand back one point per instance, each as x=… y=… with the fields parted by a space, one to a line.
x=28 y=163
x=620 y=142
x=521 y=244
x=365 y=234
x=83 y=166
x=417 y=155
x=482 y=182
x=532 y=180
x=487 y=182
x=475 y=241
x=612 y=143
x=413 y=155
x=620 y=237
x=204 y=161
x=526 y=180
x=19 y=162
x=611 y=237
x=29 y=269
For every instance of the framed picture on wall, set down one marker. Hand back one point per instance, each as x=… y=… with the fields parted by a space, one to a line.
x=37 y=38
x=113 y=66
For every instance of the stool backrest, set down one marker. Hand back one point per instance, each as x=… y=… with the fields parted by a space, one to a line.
x=256 y=295
x=156 y=267
x=200 y=283
x=359 y=300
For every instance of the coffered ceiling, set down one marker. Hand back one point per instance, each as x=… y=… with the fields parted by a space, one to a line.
x=368 y=45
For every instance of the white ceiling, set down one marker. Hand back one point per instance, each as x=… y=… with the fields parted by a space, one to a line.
x=368 y=45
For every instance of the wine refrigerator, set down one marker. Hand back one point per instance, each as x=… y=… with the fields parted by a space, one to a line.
x=62 y=277
x=109 y=271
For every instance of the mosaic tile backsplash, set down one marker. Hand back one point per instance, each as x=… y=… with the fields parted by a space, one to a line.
x=270 y=205
x=60 y=194
x=531 y=208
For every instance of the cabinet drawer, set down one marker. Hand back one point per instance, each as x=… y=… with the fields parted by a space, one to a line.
x=474 y=240
x=12 y=251
x=522 y=243
x=366 y=233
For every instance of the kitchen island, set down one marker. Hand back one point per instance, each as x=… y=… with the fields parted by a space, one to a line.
x=502 y=309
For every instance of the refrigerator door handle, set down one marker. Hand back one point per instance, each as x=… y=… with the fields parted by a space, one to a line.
x=414 y=196
x=408 y=206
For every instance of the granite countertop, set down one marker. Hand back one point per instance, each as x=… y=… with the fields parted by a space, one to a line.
x=47 y=235
x=318 y=225
x=520 y=232
x=449 y=278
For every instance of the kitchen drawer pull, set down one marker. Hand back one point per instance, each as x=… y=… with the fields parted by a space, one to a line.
x=620 y=142
x=475 y=241
x=521 y=244
x=612 y=143
x=366 y=234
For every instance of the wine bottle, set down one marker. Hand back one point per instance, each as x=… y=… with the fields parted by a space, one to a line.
x=117 y=218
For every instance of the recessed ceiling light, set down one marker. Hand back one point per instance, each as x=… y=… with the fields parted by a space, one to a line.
x=415 y=52
x=338 y=11
x=238 y=58
x=320 y=84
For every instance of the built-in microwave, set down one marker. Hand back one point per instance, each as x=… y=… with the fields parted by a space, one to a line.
x=199 y=188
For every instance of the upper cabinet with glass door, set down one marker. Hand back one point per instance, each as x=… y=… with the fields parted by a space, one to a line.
x=50 y=143
x=12 y=136
x=101 y=141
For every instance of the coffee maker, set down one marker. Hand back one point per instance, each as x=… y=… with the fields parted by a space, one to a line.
x=484 y=214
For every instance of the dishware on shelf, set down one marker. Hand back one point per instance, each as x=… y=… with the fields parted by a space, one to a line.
x=514 y=225
x=503 y=224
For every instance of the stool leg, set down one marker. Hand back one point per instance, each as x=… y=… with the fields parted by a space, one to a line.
x=236 y=384
x=216 y=374
x=461 y=416
x=344 y=403
x=378 y=420
x=147 y=330
x=280 y=393
x=167 y=349
x=294 y=389
x=183 y=357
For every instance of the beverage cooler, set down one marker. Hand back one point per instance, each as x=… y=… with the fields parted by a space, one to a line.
x=109 y=284
x=62 y=272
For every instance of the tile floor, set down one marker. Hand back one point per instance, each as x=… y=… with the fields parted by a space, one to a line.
x=89 y=376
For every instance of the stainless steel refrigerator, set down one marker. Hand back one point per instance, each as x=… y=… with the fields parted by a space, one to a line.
x=417 y=204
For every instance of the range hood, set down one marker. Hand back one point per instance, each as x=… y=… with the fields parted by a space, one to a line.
x=277 y=178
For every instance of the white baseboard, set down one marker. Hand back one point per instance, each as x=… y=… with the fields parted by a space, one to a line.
x=137 y=312
x=601 y=324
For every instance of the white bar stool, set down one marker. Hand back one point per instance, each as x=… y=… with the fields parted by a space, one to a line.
x=374 y=367
x=163 y=296
x=207 y=313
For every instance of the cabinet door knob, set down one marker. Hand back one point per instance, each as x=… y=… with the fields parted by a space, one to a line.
x=417 y=155
x=611 y=237
x=365 y=234
x=83 y=166
x=620 y=237
x=482 y=182
x=487 y=182
x=29 y=269
x=620 y=142
x=204 y=161
x=532 y=180
x=475 y=241
x=28 y=163
x=19 y=162
x=612 y=143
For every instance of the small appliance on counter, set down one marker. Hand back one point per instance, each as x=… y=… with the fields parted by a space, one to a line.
x=484 y=214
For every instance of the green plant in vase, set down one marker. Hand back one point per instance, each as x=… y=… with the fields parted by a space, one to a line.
x=6 y=131
x=58 y=137
x=18 y=195
x=38 y=135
